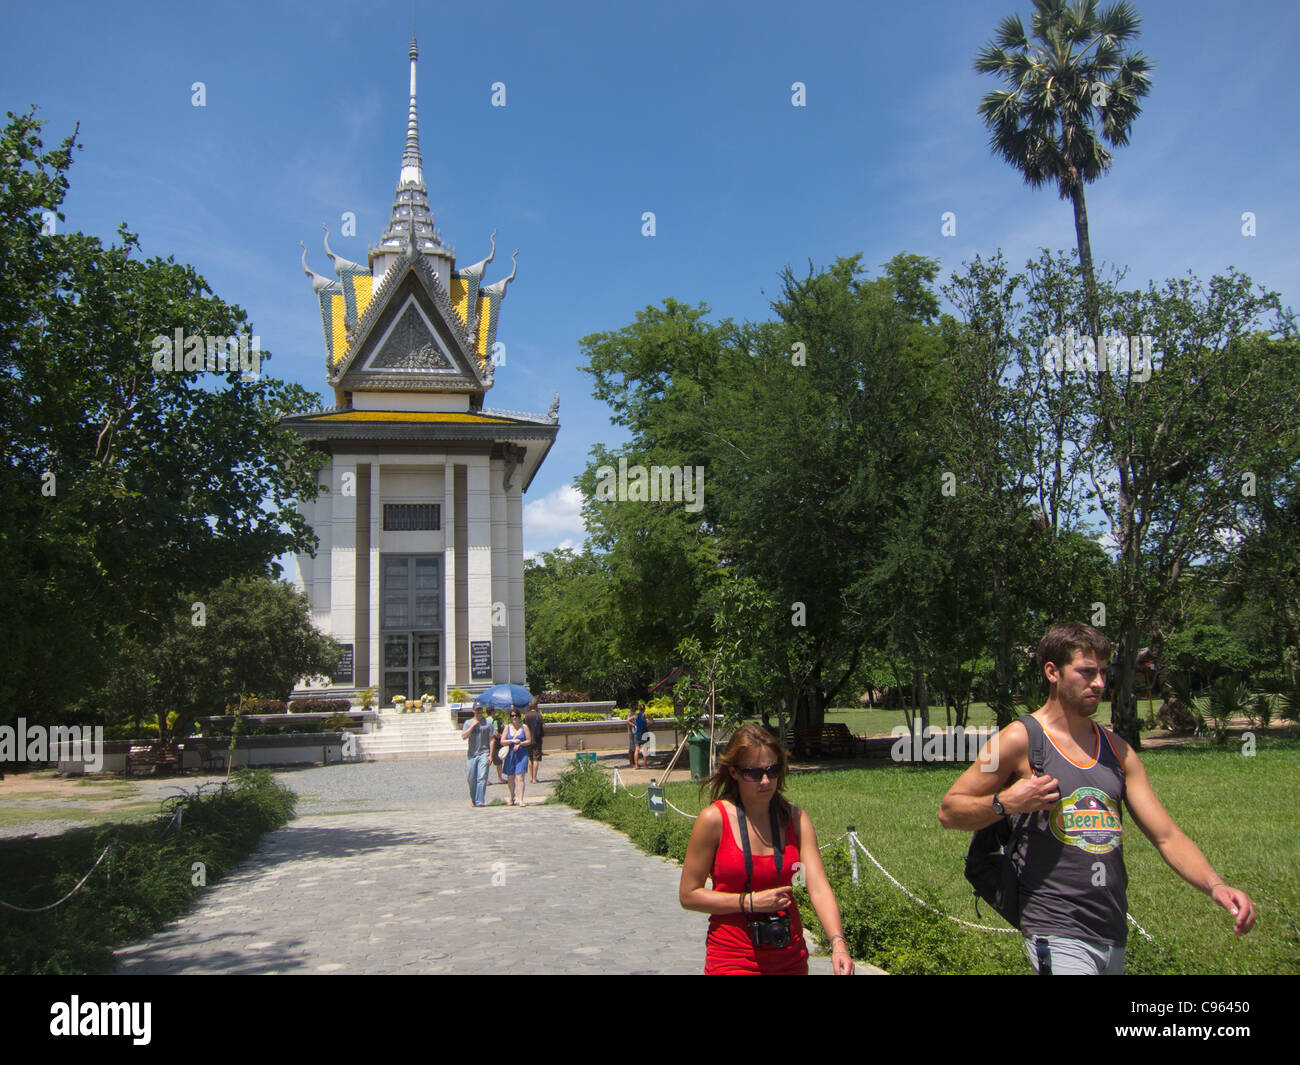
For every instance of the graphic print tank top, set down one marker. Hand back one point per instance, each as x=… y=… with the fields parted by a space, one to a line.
x=1071 y=857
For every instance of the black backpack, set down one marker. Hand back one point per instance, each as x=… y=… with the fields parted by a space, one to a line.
x=989 y=865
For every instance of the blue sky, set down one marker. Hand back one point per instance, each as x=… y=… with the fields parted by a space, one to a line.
x=612 y=110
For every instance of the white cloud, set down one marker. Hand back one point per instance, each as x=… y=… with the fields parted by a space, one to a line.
x=567 y=544
x=555 y=514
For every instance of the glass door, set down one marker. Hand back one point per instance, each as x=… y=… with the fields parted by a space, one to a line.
x=397 y=666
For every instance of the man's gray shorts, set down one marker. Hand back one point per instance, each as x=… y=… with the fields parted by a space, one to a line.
x=1075 y=957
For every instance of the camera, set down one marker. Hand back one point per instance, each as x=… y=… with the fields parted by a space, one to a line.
x=770 y=931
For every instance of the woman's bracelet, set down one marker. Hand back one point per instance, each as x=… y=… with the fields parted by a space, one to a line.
x=842 y=940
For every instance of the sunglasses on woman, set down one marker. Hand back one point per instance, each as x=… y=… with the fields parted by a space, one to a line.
x=756 y=773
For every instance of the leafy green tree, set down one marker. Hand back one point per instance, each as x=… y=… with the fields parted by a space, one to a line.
x=809 y=430
x=1174 y=451
x=256 y=640
x=660 y=376
x=1075 y=67
x=1207 y=651
x=122 y=482
x=573 y=620
x=1019 y=557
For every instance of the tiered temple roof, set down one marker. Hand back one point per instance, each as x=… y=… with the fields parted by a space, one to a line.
x=409 y=340
x=410 y=320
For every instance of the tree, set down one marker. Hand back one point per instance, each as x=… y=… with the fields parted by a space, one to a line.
x=1174 y=453
x=256 y=640
x=1042 y=124
x=122 y=482
x=660 y=375
x=573 y=623
x=1019 y=558
x=810 y=430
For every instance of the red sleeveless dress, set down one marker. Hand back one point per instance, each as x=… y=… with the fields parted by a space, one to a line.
x=729 y=950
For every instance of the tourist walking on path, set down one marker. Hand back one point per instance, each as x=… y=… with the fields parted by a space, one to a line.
x=631 y=735
x=496 y=747
x=515 y=744
x=642 y=723
x=749 y=842
x=480 y=730
x=1072 y=884
x=536 y=729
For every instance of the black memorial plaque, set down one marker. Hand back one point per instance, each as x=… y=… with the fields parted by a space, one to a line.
x=480 y=659
x=343 y=675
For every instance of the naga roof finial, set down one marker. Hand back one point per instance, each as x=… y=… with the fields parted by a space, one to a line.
x=340 y=263
x=318 y=283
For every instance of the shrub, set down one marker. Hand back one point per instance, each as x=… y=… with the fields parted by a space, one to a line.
x=584 y=787
x=266 y=706
x=563 y=697
x=145 y=880
x=557 y=716
x=1258 y=710
x=886 y=928
x=318 y=706
x=1174 y=716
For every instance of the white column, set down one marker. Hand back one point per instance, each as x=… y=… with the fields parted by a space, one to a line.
x=501 y=658
x=515 y=579
x=376 y=527
x=342 y=555
x=449 y=574
x=316 y=574
x=478 y=514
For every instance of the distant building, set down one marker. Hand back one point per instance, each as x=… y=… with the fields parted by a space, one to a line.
x=419 y=572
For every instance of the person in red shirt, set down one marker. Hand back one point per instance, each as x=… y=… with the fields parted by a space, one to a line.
x=746 y=789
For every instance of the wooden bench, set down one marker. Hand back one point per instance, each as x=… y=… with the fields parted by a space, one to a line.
x=829 y=740
x=159 y=756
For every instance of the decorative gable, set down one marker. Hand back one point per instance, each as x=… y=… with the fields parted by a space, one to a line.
x=410 y=339
x=411 y=343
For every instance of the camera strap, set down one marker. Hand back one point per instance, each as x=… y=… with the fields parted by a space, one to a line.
x=777 y=845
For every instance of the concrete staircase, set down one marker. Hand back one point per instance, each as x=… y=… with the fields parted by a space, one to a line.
x=411 y=736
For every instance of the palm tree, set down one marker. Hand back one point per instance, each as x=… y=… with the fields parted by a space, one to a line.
x=1043 y=124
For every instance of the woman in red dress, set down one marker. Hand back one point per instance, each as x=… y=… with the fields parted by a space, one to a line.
x=746 y=789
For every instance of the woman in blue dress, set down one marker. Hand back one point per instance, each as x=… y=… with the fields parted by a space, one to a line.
x=514 y=742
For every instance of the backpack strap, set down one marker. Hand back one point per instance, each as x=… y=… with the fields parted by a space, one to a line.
x=1037 y=743
x=1037 y=763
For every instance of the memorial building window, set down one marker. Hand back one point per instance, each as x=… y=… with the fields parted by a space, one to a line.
x=412 y=517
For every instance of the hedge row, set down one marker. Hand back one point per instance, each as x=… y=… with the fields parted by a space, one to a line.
x=146 y=880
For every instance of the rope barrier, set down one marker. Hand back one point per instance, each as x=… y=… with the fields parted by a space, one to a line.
x=1142 y=931
x=958 y=920
x=920 y=901
x=619 y=780
x=853 y=836
x=682 y=812
x=42 y=909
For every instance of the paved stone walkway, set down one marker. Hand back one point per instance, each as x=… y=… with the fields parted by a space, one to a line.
x=433 y=886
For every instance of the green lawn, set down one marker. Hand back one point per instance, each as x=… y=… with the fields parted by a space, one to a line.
x=881 y=722
x=1239 y=810
x=132 y=811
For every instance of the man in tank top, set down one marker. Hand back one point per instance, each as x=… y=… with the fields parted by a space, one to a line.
x=1070 y=854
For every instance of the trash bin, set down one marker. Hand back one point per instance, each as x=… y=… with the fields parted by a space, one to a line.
x=698 y=748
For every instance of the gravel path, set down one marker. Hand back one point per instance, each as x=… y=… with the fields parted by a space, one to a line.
x=397 y=785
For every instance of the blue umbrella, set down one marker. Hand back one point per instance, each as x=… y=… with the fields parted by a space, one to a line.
x=504 y=697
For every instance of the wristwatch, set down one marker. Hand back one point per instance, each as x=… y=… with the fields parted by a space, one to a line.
x=998 y=808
